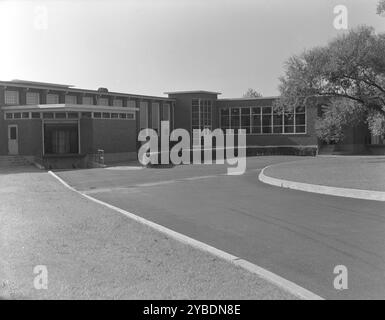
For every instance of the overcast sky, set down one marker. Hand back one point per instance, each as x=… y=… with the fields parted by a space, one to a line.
x=148 y=47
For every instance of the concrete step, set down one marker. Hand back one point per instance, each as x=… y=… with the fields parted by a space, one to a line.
x=13 y=161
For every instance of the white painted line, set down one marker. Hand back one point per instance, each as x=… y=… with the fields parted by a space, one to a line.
x=321 y=189
x=284 y=284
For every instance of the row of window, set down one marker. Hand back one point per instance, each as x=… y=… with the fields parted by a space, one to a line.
x=264 y=120
x=11 y=97
x=155 y=114
x=69 y=115
x=201 y=117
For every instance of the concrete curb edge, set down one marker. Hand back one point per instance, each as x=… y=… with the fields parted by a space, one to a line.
x=282 y=283
x=321 y=189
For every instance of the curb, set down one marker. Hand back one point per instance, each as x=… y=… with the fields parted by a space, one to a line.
x=321 y=189
x=280 y=282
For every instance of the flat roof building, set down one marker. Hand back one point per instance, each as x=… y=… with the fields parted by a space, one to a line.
x=64 y=126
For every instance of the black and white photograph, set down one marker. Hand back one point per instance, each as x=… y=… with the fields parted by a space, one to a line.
x=192 y=155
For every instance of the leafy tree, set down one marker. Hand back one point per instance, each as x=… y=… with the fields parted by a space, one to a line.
x=251 y=93
x=350 y=72
x=381 y=7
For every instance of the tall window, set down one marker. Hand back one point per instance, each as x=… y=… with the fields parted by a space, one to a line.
x=88 y=100
x=155 y=115
x=264 y=120
x=131 y=103
x=143 y=110
x=166 y=112
x=52 y=98
x=32 y=98
x=11 y=97
x=117 y=103
x=103 y=101
x=201 y=116
x=70 y=99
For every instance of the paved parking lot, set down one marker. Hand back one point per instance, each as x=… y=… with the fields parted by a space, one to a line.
x=299 y=236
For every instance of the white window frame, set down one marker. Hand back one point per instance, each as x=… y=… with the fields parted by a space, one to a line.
x=131 y=103
x=271 y=122
x=69 y=97
x=90 y=99
x=155 y=106
x=32 y=98
x=102 y=99
x=13 y=97
x=143 y=114
x=52 y=98
x=115 y=104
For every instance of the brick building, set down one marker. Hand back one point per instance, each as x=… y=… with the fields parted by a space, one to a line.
x=63 y=126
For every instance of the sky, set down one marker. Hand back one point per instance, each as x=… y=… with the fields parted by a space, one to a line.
x=153 y=46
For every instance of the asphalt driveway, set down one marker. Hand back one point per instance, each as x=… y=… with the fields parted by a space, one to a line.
x=299 y=236
x=92 y=252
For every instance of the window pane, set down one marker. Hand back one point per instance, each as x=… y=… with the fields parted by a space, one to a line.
x=256 y=110
x=166 y=112
x=266 y=129
x=289 y=129
x=277 y=120
x=73 y=115
x=266 y=110
x=234 y=118
x=289 y=119
x=11 y=97
x=52 y=98
x=48 y=115
x=143 y=113
x=256 y=129
x=225 y=121
x=35 y=115
x=266 y=120
x=114 y=115
x=245 y=110
x=300 y=129
x=277 y=129
x=88 y=100
x=9 y=115
x=224 y=112
x=117 y=103
x=32 y=98
x=97 y=115
x=106 y=115
x=155 y=115
x=131 y=103
x=195 y=102
x=103 y=101
x=60 y=115
x=17 y=115
x=86 y=114
x=300 y=119
x=122 y=116
x=71 y=99
x=25 y=115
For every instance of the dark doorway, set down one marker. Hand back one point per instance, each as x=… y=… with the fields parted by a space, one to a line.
x=61 y=138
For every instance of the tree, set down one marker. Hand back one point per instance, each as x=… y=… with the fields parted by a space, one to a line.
x=350 y=72
x=251 y=93
x=381 y=7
